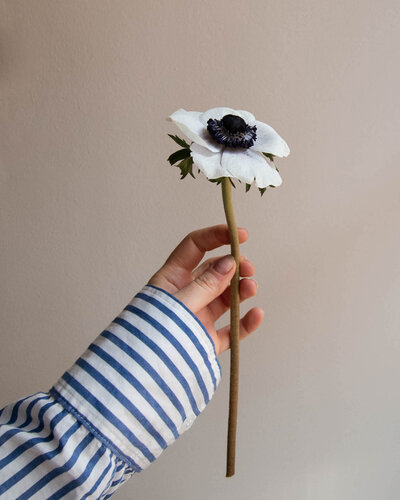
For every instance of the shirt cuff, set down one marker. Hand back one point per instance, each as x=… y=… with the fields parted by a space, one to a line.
x=145 y=378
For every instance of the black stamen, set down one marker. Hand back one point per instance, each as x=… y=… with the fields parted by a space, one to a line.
x=232 y=131
x=234 y=124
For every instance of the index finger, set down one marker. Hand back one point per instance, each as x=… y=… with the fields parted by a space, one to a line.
x=191 y=249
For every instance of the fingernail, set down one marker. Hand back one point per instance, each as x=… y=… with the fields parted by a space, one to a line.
x=224 y=265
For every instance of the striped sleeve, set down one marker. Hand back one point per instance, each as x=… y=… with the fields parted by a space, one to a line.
x=134 y=391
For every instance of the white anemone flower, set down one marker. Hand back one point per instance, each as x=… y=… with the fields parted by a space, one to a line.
x=232 y=143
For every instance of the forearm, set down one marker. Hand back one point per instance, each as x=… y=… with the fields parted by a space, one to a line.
x=137 y=387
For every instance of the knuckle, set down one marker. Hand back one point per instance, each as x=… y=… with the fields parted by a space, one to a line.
x=208 y=281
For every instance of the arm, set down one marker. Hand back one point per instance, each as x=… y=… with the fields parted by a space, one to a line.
x=137 y=387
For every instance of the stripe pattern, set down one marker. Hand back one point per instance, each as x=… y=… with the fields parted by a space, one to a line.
x=133 y=392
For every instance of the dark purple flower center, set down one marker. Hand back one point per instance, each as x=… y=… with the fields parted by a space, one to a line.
x=234 y=124
x=232 y=131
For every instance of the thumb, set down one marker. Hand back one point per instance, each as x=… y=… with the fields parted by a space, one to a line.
x=209 y=285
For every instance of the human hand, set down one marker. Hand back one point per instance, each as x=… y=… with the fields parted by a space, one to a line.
x=204 y=288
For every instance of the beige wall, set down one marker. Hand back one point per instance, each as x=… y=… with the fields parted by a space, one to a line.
x=90 y=208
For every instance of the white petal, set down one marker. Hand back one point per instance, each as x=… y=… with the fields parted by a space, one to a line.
x=268 y=176
x=209 y=163
x=216 y=113
x=189 y=123
x=219 y=113
x=243 y=164
x=269 y=141
x=247 y=165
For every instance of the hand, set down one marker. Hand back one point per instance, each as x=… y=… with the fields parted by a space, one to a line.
x=205 y=289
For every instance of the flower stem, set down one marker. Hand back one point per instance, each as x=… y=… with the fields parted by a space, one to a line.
x=235 y=317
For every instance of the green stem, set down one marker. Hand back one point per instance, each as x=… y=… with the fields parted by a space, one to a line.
x=235 y=317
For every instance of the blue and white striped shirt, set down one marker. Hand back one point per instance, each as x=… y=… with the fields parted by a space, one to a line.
x=134 y=391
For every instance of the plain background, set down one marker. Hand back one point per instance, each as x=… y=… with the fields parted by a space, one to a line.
x=90 y=209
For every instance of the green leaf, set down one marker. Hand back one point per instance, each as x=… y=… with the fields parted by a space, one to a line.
x=262 y=190
x=216 y=181
x=219 y=180
x=269 y=155
x=179 y=155
x=186 y=166
x=179 y=141
x=248 y=186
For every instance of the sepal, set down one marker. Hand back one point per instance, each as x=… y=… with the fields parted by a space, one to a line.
x=219 y=180
x=179 y=141
x=186 y=167
x=181 y=154
x=269 y=156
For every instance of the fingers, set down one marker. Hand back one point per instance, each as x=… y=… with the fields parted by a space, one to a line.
x=246 y=268
x=209 y=285
x=192 y=248
x=219 y=306
x=248 y=324
x=176 y=273
x=247 y=289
